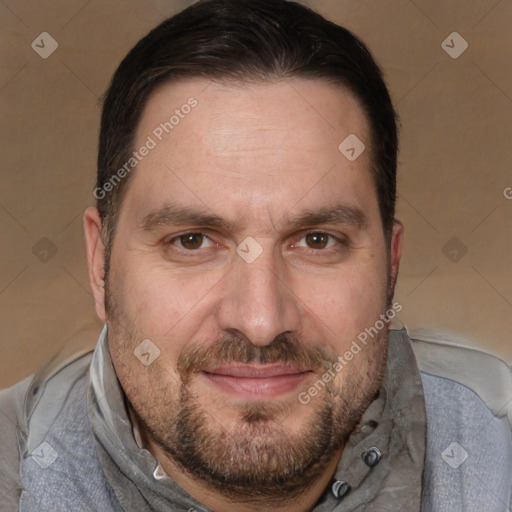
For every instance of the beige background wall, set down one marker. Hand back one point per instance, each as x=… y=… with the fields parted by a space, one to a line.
x=455 y=163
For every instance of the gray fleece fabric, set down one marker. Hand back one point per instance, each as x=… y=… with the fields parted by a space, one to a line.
x=442 y=449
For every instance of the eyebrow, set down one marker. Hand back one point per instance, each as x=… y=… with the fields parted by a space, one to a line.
x=338 y=213
x=177 y=215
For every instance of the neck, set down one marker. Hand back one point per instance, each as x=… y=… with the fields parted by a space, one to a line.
x=301 y=501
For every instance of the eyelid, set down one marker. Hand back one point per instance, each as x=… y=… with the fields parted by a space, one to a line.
x=176 y=237
x=339 y=238
x=331 y=241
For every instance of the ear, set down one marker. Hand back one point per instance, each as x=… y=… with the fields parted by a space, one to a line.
x=396 y=250
x=95 y=251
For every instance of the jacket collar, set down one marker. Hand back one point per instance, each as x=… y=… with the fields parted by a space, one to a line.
x=381 y=466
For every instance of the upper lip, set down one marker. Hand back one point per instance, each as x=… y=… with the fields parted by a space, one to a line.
x=256 y=371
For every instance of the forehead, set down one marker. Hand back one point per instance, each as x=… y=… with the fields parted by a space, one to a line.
x=265 y=145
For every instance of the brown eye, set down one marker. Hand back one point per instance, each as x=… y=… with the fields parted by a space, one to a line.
x=317 y=240
x=191 y=241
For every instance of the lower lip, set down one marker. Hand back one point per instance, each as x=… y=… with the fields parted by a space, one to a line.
x=254 y=388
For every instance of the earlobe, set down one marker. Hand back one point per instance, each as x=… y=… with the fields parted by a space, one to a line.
x=95 y=251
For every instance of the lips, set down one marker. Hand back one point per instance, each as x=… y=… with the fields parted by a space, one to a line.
x=257 y=381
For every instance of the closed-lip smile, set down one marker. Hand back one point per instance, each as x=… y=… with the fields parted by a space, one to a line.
x=257 y=381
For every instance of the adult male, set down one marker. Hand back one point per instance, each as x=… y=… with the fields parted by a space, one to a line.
x=243 y=257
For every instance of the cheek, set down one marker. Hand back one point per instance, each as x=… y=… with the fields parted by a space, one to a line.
x=159 y=304
x=345 y=303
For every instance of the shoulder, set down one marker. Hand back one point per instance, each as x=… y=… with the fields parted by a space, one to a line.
x=35 y=401
x=11 y=406
x=468 y=399
x=450 y=360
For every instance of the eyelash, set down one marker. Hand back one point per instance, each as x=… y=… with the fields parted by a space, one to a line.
x=343 y=242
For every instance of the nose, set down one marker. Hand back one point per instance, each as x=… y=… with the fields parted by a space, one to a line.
x=257 y=302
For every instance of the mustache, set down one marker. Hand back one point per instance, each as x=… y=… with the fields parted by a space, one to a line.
x=237 y=349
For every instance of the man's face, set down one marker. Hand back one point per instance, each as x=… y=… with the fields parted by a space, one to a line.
x=250 y=251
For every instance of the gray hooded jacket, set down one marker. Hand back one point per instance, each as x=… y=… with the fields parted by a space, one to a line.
x=435 y=440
